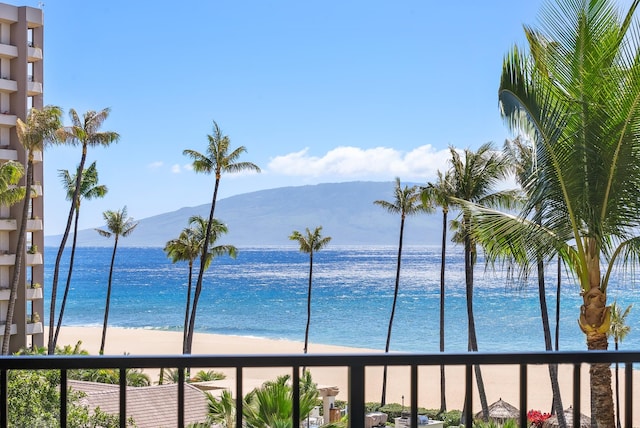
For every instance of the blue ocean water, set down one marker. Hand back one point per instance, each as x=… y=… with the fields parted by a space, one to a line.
x=263 y=293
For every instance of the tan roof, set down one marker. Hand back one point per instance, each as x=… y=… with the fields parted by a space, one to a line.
x=151 y=406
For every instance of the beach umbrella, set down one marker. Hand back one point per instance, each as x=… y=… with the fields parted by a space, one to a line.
x=501 y=411
x=552 y=422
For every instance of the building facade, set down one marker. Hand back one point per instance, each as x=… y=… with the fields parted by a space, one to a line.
x=21 y=80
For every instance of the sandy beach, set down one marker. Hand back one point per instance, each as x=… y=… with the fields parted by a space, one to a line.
x=500 y=381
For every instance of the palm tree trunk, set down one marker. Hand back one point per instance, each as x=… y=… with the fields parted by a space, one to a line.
x=186 y=312
x=68 y=284
x=106 y=309
x=553 y=368
x=618 y=424
x=558 y=304
x=203 y=258
x=63 y=243
x=306 y=331
x=601 y=394
x=473 y=341
x=383 y=400
x=20 y=250
x=443 y=399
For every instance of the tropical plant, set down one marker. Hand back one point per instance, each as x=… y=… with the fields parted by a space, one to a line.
x=438 y=194
x=89 y=189
x=219 y=159
x=38 y=130
x=186 y=248
x=474 y=179
x=310 y=242
x=520 y=155
x=619 y=330
x=10 y=174
x=207 y=376
x=406 y=202
x=117 y=224
x=222 y=411
x=271 y=405
x=84 y=132
x=574 y=95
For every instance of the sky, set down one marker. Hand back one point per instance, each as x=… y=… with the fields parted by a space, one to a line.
x=316 y=91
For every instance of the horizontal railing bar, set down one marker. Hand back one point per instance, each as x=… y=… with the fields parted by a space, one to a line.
x=313 y=360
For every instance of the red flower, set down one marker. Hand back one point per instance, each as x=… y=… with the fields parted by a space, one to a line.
x=537 y=418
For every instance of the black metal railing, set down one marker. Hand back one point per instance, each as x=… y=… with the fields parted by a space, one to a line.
x=356 y=364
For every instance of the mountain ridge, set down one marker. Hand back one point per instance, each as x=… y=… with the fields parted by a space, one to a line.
x=346 y=211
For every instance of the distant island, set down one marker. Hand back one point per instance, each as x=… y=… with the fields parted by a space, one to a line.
x=267 y=217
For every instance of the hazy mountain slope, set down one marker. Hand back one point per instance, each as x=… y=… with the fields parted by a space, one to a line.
x=345 y=211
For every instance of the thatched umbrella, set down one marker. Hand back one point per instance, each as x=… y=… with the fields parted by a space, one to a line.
x=501 y=411
x=552 y=422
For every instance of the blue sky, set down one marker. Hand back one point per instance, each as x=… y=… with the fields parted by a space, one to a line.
x=317 y=91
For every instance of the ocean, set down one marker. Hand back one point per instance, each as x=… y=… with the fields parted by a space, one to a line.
x=263 y=293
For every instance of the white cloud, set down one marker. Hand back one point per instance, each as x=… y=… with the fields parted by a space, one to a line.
x=155 y=165
x=353 y=162
x=175 y=169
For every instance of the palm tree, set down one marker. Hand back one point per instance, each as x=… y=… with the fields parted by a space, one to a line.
x=222 y=411
x=520 y=155
x=89 y=189
x=217 y=160
x=407 y=201
x=438 y=193
x=573 y=94
x=619 y=330
x=118 y=224
x=84 y=132
x=473 y=179
x=38 y=130
x=186 y=248
x=10 y=174
x=309 y=243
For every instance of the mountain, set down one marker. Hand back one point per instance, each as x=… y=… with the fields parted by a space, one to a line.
x=345 y=211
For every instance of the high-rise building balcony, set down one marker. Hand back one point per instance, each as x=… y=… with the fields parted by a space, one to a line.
x=7 y=85
x=34 y=225
x=33 y=293
x=33 y=259
x=8 y=51
x=9 y=154
x=34 y=54
x=7 y=120
x=8 y=224
x=34 y=88
x=7 y=259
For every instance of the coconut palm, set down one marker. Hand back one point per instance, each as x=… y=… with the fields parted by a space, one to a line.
x=218 y=159
x=310 y=242
x=619 y=330
x=573 y=94
x=84 y=132
x=438 y=193
x=474 y=176
x=38 y=130
x=187 y=247
x=222 y=411
x=520 y=155
x=89 y=189
x=10 y=174
x=407 y=201
x=117 y=224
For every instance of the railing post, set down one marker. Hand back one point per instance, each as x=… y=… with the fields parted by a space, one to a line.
x=414 y=396
x=523 y=395
x=468 y=400
x=4 y=397
x=181 y=379
x=296 y=396
x=628 y=394
x=123 y=397
x=63 y=397
x=576 y=395
x=356 y=396
x=238 y=396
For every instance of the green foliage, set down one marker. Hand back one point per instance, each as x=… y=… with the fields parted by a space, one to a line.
x=511 y=423
x=34 y=401
x=135 y=377
x=394 y=410
x=207 y=376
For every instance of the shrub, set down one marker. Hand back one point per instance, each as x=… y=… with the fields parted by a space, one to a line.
x=536 y=418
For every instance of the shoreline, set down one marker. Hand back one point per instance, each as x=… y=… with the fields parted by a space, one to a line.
x=501 y=382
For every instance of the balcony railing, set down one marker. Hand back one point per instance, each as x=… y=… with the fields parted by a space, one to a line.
x=356 y=364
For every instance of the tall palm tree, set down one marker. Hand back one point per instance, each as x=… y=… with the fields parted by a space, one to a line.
x=520 y=154
x=89 y=189
x=574 y=94
x=619 y=330
x=38 y=130
x=407 y=201
x=474 y=176
x=187 y=247
x=10 y=174
x=218 y=159
x=310 y=243
x=117 y=224
x=438 y=193
x=85 y=132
